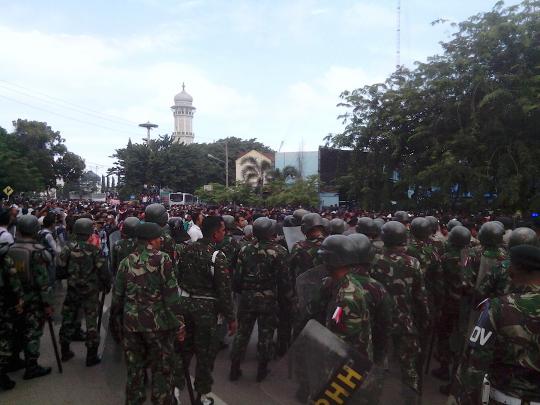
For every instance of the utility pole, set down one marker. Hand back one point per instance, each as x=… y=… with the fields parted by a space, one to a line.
x=398 y=35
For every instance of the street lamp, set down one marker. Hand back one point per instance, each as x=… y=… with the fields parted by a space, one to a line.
x=225 y=162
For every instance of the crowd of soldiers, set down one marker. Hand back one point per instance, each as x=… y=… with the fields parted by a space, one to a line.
x=393 y=287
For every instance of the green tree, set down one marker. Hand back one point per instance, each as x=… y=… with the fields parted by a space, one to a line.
x=255 y=172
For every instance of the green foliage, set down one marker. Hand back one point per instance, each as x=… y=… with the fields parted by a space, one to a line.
x=34 y=156
x=178 y=167
x=464 y=122
x=300 y=193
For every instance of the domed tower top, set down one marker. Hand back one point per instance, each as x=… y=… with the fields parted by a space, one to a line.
x=183 y=97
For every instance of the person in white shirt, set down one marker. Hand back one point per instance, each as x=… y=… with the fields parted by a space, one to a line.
x=5 y=235
x=194 y=231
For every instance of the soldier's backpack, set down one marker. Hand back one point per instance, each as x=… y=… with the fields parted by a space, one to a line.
x=21 y=254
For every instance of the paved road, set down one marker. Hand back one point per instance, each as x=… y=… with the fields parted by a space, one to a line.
x=105 y=383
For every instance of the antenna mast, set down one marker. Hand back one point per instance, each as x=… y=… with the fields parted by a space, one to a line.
x=398 y=35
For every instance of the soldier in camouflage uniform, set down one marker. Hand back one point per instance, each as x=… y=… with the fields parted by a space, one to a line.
x=401 y=276
x=205 y=289
x=304 y=253
x=146 y=318
x=124 y=247
x=87 y=276
x=458 y=264
x=263 y=284
x=364 y=304
x=369 y=227
x=497 y=282
x=504 y=343
x=491 y=251
x=38 y=300
x=11 y=305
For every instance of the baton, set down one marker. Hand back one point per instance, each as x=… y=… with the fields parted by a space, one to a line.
x=188 y=381
x=101 y=303
x=430 y=351
x=55 y=346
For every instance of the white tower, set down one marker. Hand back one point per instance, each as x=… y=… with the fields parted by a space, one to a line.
x=183 y=111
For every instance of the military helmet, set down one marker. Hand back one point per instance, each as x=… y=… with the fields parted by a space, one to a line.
x=310 y=221
x=452 y=223
x=129 y=228
x=299 y=214
x=394 y=233
x=401 y=216
x=28 y=225
x=491 y=234
x=148 y=230
x=264 y=228
x=290 y=221
x=156 y=213
x=363 y=247
x=379 y=222
x=337 y=226
x=368 y=227
x=83 y=226
x=229 y=222
x=338 y=251
x=420 y=228
x=433 y=223
x=523 y=236
x=327 y=226
x=459 y=236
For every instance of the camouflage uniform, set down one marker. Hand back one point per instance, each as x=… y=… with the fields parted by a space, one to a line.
x=497 y=282
x=263 y=283
x=509 y=355
x=29 y=326
x=365 y=323
x=430 y=264
x=122 y=249
x=304 y=255
x=400 y=274
x=145 y=316
x=203 y=297
x=168 y=245
x=87 y=276
x=459 y=273
x=11 y=294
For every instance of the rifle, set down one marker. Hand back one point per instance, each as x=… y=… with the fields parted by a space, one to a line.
x=55 y=345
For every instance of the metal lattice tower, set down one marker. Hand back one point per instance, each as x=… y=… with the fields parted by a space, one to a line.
x=398 y=34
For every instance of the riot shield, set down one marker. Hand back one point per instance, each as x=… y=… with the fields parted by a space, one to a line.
x=113 y=238
x=319 y=368
x=293 y=234
x=310 y=295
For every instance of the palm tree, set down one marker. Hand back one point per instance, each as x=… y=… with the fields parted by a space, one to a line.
x=255 y=170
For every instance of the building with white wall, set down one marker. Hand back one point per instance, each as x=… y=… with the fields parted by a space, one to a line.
x=241 y=163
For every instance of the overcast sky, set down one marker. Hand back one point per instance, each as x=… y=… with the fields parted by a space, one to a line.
x=271 y=70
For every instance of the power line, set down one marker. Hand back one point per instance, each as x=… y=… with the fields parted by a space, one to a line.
x=66 y=116
x=67 y=104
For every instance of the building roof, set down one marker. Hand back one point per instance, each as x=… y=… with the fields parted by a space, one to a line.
x=268 y=155
x=183 y=97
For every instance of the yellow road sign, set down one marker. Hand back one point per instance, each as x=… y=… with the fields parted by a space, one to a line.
x=8 y=191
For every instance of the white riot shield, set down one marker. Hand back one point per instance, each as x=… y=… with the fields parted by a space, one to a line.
x=293 y=234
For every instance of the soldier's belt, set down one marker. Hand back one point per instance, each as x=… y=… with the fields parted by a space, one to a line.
x=501 y=397
x=184 y=293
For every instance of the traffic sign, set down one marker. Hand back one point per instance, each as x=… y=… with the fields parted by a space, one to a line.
x=8 y=191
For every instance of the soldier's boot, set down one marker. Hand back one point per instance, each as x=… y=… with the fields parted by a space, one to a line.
x=6 y=383
x=79 y=336
x=262 y=371
x=34 y=370
x=442 y=373
x=235 y=372
x=92 y=357
x=67 y=354
x=410 y=396
x=15 y=364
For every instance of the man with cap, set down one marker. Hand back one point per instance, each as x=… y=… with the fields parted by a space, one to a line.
x=401 y=276
x=504 y=343
x=146 y=318
x=264 y=287
x=127 y=245
x=87 y=275
x=11 y=304
x=205 y=290
x=363 y=303
x=31 y=261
